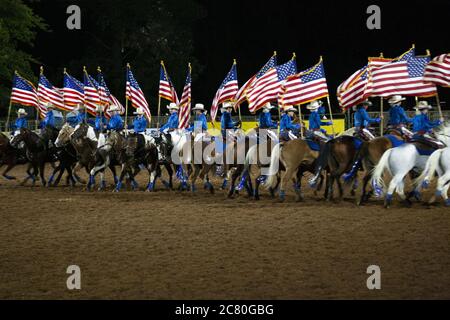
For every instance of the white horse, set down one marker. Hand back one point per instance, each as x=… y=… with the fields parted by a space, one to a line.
x=439 y=162
x=400 y=161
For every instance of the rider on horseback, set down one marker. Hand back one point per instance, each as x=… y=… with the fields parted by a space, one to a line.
x=362 y=121
x=422 y=125
x=265 y=119
x=21 y=121
x=101 y=122
x=116 y=122
x=397 y=116
x=200 y=124
x=315 y=122
x=172 y=124
x=226 y=122
x=81 y=116
x=49 y=120
x=288 y=130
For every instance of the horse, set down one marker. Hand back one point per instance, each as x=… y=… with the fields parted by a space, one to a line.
x=86 y=142
x=199 y=160
x=290 y=156
x=439 y=162
x=233 y=159
x=10 y=156
x=109 y=153
x=67 y=155
x=402 y=160
x=37 y=152
x=140 y=151
x=370 y=154
x=336 y=157
x=257 y=160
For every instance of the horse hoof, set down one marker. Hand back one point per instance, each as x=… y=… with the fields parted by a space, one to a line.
x=447 y=203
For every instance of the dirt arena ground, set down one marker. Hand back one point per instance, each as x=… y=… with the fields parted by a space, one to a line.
x=172 y=245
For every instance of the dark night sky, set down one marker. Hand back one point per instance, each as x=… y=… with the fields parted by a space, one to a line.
x=251 y=30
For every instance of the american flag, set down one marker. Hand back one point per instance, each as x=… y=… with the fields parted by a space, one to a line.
x=185 y=103
x=305 y=86
x=47 y=93
x=403 y=76
x=267 y=88
x=106 y=97
x=23 y=92
x=226 y=91
x=166 y=88
x=355 y=89
x=91 y=94
x=135 y=94
x=73 y=92
x=241 y=95
x=438 y=70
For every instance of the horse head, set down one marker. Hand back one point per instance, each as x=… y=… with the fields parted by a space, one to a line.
x=64 y=136
x=131 y=145
x=443 y=133
x=22 y=136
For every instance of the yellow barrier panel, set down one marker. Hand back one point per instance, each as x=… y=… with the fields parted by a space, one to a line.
x=339 y=126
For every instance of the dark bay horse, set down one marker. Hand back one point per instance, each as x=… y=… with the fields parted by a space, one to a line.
x=38 y=152
x=10 y=156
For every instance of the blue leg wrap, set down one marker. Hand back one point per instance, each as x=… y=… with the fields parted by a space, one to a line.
x=426 y=184
x=150 y=186
x=118 y=186
x=193 y=188
x=447 y=202
x=282 y=195
x=134 y=184
x=224 y=183
x=50 y=180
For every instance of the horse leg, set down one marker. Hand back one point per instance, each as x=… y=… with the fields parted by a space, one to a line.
x=193 y=176
x=133 y=174
x=330 y=191
x=285 y=177
x=5 y=173
x=442 y=188
x=341 y=190
x=76 y=169
x=42 y=173
x=120 y=179
x=396 y=180
x=298 y=188
x=364 y=195
x=232 y=174
x=58 y=169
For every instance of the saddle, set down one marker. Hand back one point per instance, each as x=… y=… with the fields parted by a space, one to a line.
x=425 y=145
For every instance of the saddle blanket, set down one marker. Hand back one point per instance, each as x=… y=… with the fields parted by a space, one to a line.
x=313 y=145
x=394 y=140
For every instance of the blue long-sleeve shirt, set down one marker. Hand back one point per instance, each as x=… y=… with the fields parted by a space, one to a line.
x=139 y=124
x=286 y=123
x=265 y=121
x=172 y=123
x=315 y=122
x=200 y=123
x=115 y=123
x=422 y=124
x=80 y=117
x=362 y=118
x=20 y=123
x=100 y=122
x=49 y=120
x=397 y=116
x=226 y=123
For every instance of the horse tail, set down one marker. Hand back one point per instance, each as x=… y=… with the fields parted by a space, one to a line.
x=274 y=167
x=250 y=158
x=377 y=172
x=430 y=168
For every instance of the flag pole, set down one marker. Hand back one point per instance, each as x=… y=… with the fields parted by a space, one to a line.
x=438 y=101
x=329 y=105
x=301 y=120
x=159 y=98
x=126 y=102
x=381 y=108
x=9 y=114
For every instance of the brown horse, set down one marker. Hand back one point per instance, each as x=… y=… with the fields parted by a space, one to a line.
x=198 y=161
x=10 y=156
x=292 y=156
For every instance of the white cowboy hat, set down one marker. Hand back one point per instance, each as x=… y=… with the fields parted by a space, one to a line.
x=173 y=106
x=268 y=106
x=113 y=107
x=316 y=104
x=22 y=111
x=99 y=108
x=49 y=105
x=199 y=106
x=367 y=103
x=289 y=108
x=423 y=105
x=139 y=111
x=226 y=105
x=395 y=99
